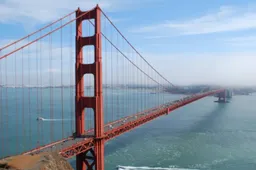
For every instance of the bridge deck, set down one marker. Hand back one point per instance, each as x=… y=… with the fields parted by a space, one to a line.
x=60 y=145
x=71 y=146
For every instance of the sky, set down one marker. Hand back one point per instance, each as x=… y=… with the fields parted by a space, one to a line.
x=189 y=42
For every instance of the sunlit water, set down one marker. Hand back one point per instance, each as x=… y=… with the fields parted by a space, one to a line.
x=203 y=135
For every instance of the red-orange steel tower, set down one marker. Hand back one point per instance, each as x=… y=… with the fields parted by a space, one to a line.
x=92 y=158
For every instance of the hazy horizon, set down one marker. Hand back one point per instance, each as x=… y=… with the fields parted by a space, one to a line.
x=207 y=44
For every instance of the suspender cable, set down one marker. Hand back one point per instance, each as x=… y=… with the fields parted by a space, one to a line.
x=124 y=55
x=23 y=97
x=112 y=88
x=6 y=99
x=16 y=100
x=41 y=37
x=29 y=107
x=61 y=77
x=41 y=91
x=50 y=90
x=1 y=107
x=71 y=78
x=124 y=79
x=37 y=95
x=135 y=49
x=117 y=81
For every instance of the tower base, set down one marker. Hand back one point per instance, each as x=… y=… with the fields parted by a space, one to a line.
x=221 y=101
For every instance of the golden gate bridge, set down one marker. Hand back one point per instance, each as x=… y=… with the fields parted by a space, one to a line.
x=72 y=70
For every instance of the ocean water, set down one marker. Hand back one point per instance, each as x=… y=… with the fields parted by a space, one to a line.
x=203 y=135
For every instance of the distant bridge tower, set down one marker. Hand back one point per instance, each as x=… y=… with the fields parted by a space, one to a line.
x=222 y=96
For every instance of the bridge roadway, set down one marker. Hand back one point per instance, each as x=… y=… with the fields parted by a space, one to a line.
x=72 y=146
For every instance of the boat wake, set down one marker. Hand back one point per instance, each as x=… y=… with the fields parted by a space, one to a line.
x=56 y=119
x=49 y=120
x=149 y=168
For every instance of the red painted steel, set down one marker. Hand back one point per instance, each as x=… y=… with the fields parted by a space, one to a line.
x=137 y=52
x=95 y=102
x=79 y=88
x=60 y=142
x=142 y=118
x=99 y=116
x=120 y=128
x=41 y=29
x=43 y=36
x=88 y=146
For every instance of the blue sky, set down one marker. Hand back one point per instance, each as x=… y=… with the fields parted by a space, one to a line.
x=189 y=42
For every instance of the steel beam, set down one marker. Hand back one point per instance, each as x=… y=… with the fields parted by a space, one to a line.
x=143 y=117
x=82 y=101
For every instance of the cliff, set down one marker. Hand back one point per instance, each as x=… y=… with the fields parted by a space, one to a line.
x=43 y=161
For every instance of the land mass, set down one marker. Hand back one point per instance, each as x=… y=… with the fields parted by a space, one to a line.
x=42 y=161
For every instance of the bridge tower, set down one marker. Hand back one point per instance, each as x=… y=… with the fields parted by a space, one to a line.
x=222 y=97
x=94 y=158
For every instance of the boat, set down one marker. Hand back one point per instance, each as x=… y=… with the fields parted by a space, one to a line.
x=39 y=119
